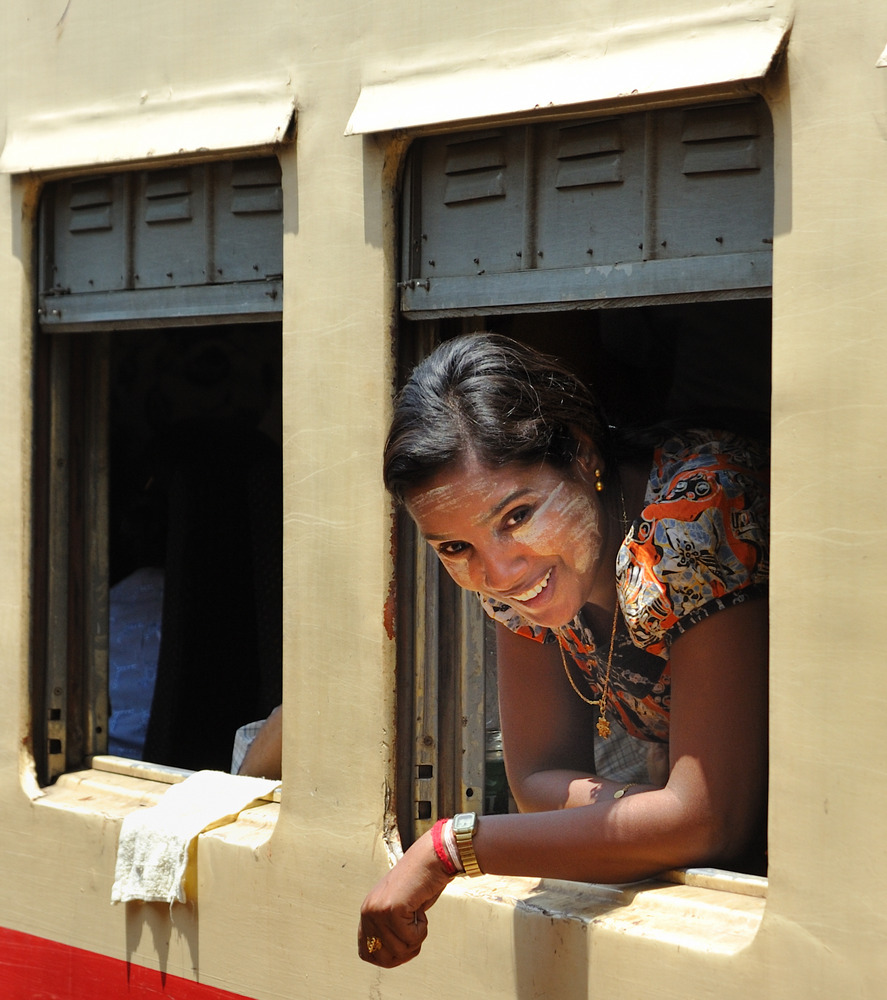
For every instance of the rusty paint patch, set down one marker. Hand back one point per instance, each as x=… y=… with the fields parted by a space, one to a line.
x=389 y=615
x=389 y=612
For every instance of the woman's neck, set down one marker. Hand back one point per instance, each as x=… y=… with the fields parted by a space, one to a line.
x=625 y=504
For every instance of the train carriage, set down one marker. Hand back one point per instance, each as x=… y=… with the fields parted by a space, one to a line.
x=229 y=232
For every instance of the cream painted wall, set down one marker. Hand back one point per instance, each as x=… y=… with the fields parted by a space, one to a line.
x=298 y=893
x=828 y=796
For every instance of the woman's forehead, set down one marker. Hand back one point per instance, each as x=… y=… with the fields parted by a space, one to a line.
x=451 y=485
x=475 y=484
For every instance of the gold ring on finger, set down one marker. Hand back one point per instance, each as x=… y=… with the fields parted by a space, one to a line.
x=373 y=945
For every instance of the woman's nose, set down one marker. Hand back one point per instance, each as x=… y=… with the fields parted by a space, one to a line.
x=502 y=569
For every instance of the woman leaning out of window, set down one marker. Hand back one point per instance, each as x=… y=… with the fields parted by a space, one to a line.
x=627 y=575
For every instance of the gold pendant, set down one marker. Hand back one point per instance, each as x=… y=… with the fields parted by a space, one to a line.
x=603 y=727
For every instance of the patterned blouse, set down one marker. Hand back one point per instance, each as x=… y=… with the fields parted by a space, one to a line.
x=699 y=545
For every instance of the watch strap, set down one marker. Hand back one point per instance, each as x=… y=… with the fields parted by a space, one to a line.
x=465 y=846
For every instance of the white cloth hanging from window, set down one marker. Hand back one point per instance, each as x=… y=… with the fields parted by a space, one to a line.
x=153 y=849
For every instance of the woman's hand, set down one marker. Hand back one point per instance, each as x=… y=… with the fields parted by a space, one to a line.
x=393 y=924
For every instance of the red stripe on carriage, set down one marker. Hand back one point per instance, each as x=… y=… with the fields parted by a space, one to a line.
x=32 y=967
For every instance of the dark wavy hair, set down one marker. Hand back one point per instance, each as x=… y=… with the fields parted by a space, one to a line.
x=491 y=396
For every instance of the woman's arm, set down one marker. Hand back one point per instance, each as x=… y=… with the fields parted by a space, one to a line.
x=262 y=760
x=548 y=731
x=713 y=800
x=705 y=814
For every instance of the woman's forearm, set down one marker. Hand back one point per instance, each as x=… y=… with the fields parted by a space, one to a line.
x=615 y=840
x=566 y=789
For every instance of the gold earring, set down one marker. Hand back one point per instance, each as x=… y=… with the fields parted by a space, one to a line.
x=598 y=482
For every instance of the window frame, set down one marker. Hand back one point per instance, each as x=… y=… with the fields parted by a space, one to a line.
x=70 y=566
x=430 y=605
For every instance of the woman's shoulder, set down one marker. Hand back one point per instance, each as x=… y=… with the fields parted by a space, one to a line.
x=702 y=535
x=699 y=449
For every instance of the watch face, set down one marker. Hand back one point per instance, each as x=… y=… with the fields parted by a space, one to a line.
x=464 y=823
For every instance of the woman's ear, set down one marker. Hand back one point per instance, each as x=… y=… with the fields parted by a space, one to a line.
x=588 y=463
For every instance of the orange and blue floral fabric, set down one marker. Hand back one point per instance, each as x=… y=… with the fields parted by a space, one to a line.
x=700 y=544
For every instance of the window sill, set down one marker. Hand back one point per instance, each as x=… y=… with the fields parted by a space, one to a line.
x=151 y=772
x=718 y=878
x=115 y=786
x=707 y=911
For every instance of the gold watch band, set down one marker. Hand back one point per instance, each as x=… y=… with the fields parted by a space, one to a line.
x=464 y=826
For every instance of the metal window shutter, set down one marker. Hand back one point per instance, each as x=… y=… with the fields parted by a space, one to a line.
x=643 y=207
x=185 y=245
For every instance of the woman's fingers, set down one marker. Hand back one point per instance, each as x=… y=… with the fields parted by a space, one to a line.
x=392 y=944
x=393 y=923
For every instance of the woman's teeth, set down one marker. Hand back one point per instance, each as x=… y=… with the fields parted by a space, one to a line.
x=528 y=595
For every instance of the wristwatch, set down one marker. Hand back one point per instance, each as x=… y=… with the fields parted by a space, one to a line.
x=464 y=829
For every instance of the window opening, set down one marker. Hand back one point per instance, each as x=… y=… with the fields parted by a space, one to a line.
x=648 y=364
x=158 y=469
x=658 y=310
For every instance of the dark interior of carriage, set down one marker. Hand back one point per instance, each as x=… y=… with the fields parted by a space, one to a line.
x=195 y=539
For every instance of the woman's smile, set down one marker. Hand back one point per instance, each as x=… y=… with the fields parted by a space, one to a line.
x=535 y=591
x=530 y=537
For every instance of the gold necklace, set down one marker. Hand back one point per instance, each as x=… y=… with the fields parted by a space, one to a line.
x=603 y=724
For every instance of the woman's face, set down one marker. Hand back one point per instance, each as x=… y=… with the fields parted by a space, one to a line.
x=531 y=537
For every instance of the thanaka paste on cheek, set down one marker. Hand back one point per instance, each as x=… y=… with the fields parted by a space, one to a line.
x=587 y=521
x=563 y=512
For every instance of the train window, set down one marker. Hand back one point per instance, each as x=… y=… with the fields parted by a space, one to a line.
x=636 y=247
x=157 y=526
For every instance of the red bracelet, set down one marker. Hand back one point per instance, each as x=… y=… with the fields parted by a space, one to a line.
x=440 y=848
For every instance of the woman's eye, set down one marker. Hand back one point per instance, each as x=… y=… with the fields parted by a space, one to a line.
x=452 y=548
x=516 y=518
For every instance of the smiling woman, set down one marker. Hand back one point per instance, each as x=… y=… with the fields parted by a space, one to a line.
x=646 y=567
